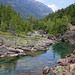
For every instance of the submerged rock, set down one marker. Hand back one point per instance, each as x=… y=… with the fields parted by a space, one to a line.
x=46 y=70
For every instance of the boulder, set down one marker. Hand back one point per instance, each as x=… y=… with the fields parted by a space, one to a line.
x=71 y=27
x=33 y=49
x=69 y=37
x=15 y=50
x=66 y=67
x=66 y=73
x=3 y=55
x=3 y=46
x=13 y=55
x=52 y=37
x=64 y=64
x=61 y=60
x=59 y=70
x=19 y=50
x=74 y=52
x=22 y=54
x=9 y=48
x=39 y=48
x=72 y=68
x=46 y=70
x=26 y=48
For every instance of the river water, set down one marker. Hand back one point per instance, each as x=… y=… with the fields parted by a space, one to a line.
x=30 y=65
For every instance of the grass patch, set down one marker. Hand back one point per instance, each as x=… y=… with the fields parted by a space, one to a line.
x=37 y=37
x=20 y=42
x=6 y=34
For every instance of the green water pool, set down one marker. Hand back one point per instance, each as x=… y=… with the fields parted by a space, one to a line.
x=33 y=65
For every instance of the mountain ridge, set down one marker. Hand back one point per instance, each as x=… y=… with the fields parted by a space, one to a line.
x=29 y=7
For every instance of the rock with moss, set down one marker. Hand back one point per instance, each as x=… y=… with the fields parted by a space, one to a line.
x=59 y=70
x=66 y=66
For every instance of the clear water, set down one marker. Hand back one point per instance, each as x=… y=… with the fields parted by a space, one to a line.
x=29 y=65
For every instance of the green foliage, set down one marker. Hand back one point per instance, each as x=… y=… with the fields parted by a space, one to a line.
x=55 y=23
x=10 y=20
x=28 y=7
x=37 y=37
x=20 y=42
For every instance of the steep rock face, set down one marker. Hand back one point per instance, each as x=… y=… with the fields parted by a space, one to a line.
x=69 y=36
x=29 y=7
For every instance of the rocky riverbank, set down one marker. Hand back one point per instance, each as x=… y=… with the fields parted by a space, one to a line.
x=68 y=36
x=17 y=45
x=66 y=66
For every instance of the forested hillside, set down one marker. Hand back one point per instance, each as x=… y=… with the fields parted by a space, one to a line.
x=28 y=7
x=69 y=12
x=53 y=23
x=57 y=22
x=10 y=20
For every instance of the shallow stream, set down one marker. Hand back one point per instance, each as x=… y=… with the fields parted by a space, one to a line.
x=30 y=65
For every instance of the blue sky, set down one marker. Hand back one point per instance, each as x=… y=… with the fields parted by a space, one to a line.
x=57 y=4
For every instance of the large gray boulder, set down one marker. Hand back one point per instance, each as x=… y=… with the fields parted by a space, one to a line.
x=69 y=37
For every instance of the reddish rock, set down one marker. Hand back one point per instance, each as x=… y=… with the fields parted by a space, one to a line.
x=66 y=73
x=72 y=56
x=51 y=69
x=74 y=52
x=72 y=68
x=3 y=46
x=72 y=60
x=46 y=70
x=64 y=64
x=61 y=61
x=68 y=62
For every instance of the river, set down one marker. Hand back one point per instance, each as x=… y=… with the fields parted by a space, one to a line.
x=29 y=65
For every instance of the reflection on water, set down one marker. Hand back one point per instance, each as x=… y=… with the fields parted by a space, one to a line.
x=29 y=65
x=63 y=49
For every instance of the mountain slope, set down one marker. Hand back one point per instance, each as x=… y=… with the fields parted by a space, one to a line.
x=68 y=11
x=28 y=7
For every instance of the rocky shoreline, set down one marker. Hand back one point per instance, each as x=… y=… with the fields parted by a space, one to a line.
x=16 y=46
x=65 y=66
x=33 y=42
x=68 y=36
x=10 y=47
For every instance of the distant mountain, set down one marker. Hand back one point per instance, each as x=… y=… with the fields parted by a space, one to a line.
x=28 y=7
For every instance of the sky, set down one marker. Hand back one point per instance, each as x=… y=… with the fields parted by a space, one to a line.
x=57 y=4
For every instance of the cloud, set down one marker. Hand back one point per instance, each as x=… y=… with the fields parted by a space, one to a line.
x=54 y=8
